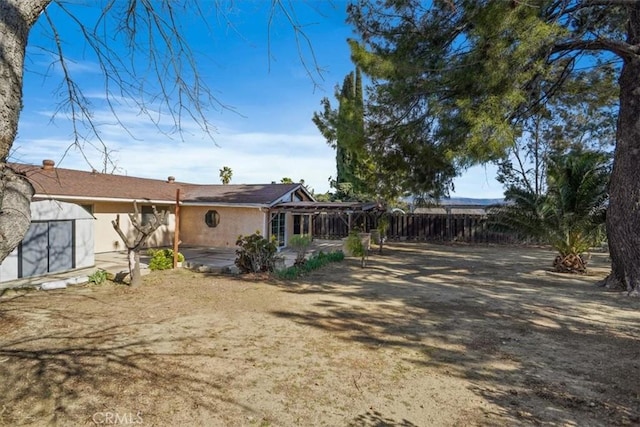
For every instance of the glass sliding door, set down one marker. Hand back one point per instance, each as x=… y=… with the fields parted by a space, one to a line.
x=278 y=228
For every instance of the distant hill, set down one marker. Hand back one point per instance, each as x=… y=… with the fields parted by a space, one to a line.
x=470 y=201
x=462 y=201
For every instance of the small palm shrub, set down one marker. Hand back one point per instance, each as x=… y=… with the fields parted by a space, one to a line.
x=162 y=259
x=570 y=216
x=255 y=253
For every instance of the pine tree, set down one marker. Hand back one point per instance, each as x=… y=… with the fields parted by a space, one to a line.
x=344 y=130
x=462 y=76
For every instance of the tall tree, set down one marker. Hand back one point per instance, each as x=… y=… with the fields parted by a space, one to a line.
x=582 y=117
x=344 y=130
x=15 y=191
x=225 y=175
x=474 y=71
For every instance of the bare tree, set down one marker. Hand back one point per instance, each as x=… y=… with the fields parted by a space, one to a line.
x=142 y=230
x=167 y=85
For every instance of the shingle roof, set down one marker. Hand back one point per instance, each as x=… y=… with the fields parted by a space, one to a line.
x=70 y=183
x=90 y=185
x=230 y=193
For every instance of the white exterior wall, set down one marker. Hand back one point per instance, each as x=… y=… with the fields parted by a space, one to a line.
x=50 y=210
x=9 y=267
x=85 y=255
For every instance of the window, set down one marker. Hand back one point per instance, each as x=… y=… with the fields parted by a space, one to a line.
x=212 y=218
x=296 y=224
x=301 y=224
x=147 y=214
x=278 y=227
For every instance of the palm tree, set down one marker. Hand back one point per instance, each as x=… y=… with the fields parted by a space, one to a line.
x=225 y=175
x=571 y=215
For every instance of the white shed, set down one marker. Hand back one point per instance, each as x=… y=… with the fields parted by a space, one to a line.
x=60 y=238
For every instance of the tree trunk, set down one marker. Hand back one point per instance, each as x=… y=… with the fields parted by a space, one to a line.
x=15 y=209
x=572 y=263
x=623 y=214
x=134 y=268
x=18 y=16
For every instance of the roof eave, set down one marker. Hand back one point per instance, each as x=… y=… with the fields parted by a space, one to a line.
x=102 y=199
x=225 y=205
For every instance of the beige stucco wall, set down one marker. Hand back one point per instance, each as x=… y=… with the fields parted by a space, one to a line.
x=106 y=238
x=233 y=222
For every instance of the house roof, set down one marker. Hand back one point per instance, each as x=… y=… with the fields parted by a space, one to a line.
x=258 y=194
x=59 y=183
x=70 y=183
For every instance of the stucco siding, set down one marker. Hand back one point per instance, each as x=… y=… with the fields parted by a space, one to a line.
x=106 y=238
x=233 y=222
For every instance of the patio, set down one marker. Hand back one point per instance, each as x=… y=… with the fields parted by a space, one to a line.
x=201 y=259
x=207 y=259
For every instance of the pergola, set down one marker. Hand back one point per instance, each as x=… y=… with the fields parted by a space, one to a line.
x=349 y=211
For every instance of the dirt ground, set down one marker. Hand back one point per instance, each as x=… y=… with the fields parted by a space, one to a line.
x=426 y=335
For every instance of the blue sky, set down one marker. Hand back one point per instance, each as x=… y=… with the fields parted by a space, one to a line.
x=269 y=136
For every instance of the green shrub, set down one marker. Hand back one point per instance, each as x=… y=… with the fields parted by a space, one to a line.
x=300 y=244
x=256 y=253
x=316 y=261
x=98 y=277
x=354 y=244
x=289 y=273
x=162 y=259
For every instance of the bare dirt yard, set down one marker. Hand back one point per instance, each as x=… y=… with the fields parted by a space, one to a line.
x=426 y=335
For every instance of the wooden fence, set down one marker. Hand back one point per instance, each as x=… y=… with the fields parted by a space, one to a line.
x=415 y=227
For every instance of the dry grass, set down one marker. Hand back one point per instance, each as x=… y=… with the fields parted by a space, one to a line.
x=425 y=335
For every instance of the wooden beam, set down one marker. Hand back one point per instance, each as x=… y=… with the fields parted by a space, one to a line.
x=176 y=232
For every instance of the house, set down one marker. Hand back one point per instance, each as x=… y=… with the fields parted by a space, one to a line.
x=210 y=215
x=215 y=215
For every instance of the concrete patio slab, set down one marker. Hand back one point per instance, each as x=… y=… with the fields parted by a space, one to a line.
x=201 y=259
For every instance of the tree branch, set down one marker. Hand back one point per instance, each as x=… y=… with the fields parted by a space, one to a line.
x=620 y=48
x=116 y=226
